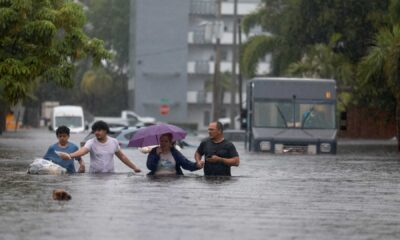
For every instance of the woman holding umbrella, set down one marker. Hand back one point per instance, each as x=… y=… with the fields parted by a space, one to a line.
x=166 y=160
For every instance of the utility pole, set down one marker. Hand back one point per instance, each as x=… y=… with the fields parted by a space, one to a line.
x=234 y=62
x=216 y=85
x=240 y=74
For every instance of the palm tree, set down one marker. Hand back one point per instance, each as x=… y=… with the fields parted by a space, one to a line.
x=383 y=63
x=255 y=49
x=257 y=46
x=95 y=84
x=321 y=61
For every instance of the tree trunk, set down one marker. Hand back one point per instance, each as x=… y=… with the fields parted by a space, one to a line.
x=3 y=113
x=398 y=124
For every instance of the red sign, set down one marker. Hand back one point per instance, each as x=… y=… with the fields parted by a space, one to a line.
x=164 y=109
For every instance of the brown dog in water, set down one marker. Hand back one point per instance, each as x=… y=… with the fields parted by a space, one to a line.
x=61 y=194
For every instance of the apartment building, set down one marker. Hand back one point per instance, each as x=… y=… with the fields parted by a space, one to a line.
x=173 y=57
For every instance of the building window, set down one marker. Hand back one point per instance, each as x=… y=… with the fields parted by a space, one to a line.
x=224 y=55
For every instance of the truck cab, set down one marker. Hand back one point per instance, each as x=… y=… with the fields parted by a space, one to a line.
x=291 y=115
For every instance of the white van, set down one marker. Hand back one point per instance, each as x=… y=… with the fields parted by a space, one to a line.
x=70 y=116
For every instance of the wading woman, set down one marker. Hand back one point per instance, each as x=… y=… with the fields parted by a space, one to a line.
x=165 y=160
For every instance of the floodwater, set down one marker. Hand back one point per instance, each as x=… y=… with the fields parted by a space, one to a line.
x=352 y=195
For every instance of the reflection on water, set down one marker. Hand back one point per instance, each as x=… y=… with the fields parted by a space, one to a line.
x=352 y=195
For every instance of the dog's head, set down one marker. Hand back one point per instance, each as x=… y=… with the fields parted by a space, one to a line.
x=61 y=194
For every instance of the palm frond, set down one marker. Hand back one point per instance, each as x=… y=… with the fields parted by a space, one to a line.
x=252 y=19
x=256 y=48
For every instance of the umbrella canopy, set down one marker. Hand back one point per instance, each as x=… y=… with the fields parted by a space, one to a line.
x=150 y=135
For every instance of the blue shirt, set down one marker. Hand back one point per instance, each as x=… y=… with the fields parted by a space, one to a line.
x=67 y=164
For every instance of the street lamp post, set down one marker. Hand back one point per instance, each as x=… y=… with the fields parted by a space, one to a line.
x=216 y=76
x=234 y=61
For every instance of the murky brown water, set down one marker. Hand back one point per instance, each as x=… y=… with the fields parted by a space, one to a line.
x=352 y=195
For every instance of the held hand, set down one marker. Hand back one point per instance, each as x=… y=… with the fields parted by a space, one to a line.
x=64 y=156
x=213 y=159
x=81 y=168
x=200 y=164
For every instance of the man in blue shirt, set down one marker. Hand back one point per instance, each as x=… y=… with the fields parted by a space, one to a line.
x=63 y=145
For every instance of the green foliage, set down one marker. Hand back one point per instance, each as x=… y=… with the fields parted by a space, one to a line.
x=303 y=23
x=251 y=20
x=107 y=20
x=321 y=61
x=41 y=41
x=224 y=81
x=379 y=70
x=255 y=49
x=394 y=11
x=110 y=21
x=96 y=82
x=329 y=39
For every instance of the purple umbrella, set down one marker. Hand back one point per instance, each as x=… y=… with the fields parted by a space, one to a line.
x=150 y=135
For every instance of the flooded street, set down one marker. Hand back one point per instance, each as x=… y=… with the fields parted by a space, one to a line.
x=352 y=195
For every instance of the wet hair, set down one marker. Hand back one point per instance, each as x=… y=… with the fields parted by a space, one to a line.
x=100 y=125
x=169 y=135
x=220 y=126
x=61 y=130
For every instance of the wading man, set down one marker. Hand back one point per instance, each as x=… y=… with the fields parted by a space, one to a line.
x=220 y=154
x=102 y=149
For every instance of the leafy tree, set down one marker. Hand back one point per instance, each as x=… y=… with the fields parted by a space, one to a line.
x=225 y=81
x=255 y=49
x=298 y=24
x=109 y=20
x=321 y=61
x=381 y=67
x=40 y=42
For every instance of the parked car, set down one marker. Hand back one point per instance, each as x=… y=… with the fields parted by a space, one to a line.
x=123 y=136
x=127 y=119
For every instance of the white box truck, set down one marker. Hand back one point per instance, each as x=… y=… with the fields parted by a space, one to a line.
x=70 y=116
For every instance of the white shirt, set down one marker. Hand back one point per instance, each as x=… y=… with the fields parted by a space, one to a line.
x=166 y=165
x=102 y=154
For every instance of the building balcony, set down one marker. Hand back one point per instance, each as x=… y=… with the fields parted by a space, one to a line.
x=203 y=7
x=242 y=8
x=209 y=7
x=199 y=97
x=207 y=67
x=206 y=97
x=201 y=36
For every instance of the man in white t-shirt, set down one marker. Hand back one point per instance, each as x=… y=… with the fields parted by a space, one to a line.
x=102 y=149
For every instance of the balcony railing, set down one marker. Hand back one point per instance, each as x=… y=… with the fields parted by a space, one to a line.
x=207 y=67
x=199 y=97
x=203 y=7
x=205 y=97
x=202 y=67
x=199 y=36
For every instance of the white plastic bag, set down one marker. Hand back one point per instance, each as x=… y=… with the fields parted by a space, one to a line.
x=43 y=166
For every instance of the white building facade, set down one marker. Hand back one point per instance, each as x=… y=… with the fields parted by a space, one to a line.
x=179 y=72
x=201 y=55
